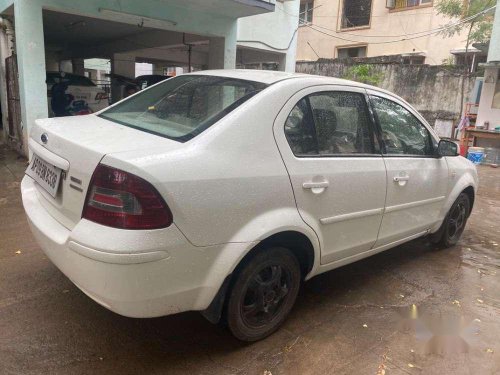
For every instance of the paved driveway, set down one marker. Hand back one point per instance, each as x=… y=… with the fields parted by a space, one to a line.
x=410 y=310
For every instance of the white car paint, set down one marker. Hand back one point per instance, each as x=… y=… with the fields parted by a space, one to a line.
x=94 y=95
x=228 y=188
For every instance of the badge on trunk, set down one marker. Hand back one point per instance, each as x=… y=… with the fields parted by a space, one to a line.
x=45 y=138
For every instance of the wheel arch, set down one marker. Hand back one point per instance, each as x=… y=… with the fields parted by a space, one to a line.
x=466 y=184
x=297 y=242
x=469 y=190
x=300 y=244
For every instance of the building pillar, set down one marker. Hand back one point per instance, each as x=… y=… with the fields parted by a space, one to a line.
x=216 y=53
x=30 y=50
x=222 y=51
x=291 y=55
x=124 y=65
x=494 y=49
x=230 y=48
x=5 y=51
x=78 y=66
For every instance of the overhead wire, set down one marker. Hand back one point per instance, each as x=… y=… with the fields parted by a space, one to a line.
x=414 y=35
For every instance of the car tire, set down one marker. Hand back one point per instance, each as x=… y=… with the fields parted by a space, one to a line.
x=263 y=294
x=454 y=223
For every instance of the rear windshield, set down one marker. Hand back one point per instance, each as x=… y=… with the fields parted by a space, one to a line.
x=184 y=106
x=71 y=79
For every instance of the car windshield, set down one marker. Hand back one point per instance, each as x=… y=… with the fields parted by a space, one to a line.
x=184 y=106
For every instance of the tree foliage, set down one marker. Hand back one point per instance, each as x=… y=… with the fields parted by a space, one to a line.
x=363 y=73
x=480 y=27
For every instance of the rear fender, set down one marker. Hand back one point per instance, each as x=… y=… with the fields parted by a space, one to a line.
x=282 y=220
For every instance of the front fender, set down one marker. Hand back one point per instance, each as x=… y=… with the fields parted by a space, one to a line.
x=466 y=176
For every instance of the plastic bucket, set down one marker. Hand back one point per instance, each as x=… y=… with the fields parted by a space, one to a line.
x=475 y=154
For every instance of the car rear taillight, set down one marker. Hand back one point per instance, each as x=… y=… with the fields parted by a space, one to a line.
x=101 y=96
x=122 y=200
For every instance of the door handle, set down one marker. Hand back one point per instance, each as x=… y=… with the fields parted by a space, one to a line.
x=401 y=178
x=315 y=185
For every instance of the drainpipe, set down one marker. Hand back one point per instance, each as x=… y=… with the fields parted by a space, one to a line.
x=6 y=50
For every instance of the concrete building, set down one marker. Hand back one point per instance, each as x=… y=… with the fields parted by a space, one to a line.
x=489 y=104
x=41 y=35
x=368 y=28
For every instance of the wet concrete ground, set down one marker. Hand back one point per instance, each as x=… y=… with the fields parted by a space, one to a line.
x=410 y=310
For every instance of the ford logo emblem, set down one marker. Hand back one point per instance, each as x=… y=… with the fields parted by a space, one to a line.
x=45 y=138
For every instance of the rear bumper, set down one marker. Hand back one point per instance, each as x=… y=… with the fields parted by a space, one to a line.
x=133 y=273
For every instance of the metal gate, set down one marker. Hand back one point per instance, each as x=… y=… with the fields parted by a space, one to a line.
x=13 y=101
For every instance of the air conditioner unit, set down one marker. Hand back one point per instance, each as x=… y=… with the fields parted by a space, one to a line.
x=390 y=4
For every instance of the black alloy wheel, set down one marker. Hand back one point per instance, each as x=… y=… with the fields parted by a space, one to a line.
x=454 y=224
x=263 y=294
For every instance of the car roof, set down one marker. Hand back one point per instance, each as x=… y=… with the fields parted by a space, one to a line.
x=270 y=77
x=264 y=76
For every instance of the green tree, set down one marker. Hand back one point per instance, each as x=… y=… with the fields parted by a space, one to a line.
x=476 y=22
x=478 y=28
x=363 y=73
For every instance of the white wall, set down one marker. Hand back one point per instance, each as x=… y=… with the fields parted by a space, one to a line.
x=98 y=64
x=143 y=68
x=383 y=25
x=485 y=111
x=273 y=31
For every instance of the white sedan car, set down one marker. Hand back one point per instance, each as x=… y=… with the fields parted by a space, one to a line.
x=85 y=93
x=221 y=191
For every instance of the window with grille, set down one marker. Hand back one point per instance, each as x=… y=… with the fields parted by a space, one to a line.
x=344 y=53
x=356 y=13
x=401 y=4
x=306 y=12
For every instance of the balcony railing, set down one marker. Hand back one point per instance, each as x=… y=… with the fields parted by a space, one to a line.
x=401 y=4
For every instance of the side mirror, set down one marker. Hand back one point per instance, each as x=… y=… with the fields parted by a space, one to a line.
x=447 y=148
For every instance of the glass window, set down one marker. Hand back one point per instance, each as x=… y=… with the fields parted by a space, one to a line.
x=356 y=13
x=402 y=132
x=306 y=11
x=344 y=53
x=330 y=123
x=182 y=107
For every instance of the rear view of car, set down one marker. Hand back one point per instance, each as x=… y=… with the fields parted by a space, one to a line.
x=84 y=96
x=221 y=191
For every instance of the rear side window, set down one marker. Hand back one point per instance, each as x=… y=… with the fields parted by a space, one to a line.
x=184 y=106
x=330 y=123
x=402 y=132
x=70 y=79
x=76 y=80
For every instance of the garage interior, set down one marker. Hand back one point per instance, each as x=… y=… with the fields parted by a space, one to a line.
x=119 y=40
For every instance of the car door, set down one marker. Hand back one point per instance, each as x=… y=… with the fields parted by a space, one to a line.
x=417 y=179
x=326 y=139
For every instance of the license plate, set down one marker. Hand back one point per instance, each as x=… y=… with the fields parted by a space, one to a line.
x=45 y=174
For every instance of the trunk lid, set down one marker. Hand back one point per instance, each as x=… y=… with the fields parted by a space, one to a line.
x=77 y=144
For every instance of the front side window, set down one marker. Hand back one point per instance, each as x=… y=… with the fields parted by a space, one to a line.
x=402 y=133
x=184 y=106
x=330 y=123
